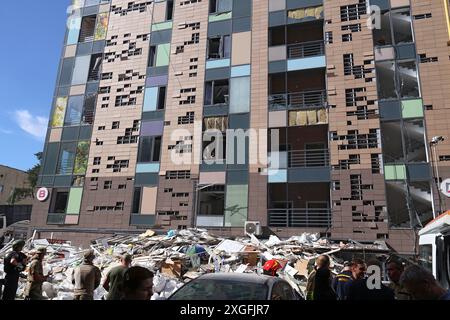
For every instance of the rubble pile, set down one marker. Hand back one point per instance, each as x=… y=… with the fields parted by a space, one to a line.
x=180 y=256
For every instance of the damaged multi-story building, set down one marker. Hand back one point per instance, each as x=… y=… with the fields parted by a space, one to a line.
x=356 y=93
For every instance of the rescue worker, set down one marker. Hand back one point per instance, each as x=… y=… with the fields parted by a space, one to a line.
x=358 y=289
x=36 y=276
x=358 y=269
x=422 y=285
x=14 y=264
x=322 y=280
x=310 y=285
x=86 y=278
x=114 y=280
x=341 y=280
x=138 y=284
x=394 y=270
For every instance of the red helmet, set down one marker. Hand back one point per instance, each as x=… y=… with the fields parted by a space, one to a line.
x=272 y=266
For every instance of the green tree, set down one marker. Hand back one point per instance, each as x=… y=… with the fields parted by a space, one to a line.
x=20 y=194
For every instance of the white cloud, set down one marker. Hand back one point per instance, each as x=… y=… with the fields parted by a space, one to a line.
x=34 y=125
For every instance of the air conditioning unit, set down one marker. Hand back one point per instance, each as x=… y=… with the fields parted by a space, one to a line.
x=253 y=227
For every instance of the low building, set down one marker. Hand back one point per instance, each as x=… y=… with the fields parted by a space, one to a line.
x=10 y=180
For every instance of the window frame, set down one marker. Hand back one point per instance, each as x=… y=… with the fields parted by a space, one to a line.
x=153 y=149
x=213 y=85
x=222 y=53
x=397 y=80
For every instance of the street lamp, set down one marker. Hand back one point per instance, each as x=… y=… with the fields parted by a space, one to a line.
x=433 y=144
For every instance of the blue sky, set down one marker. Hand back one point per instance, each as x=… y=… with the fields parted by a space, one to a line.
x=32 y=34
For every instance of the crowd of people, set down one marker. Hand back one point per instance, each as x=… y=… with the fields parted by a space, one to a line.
x=353 y=282
x=125 y=282
x=122 y=282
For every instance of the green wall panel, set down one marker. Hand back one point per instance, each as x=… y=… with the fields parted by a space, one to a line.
x=162 y=57
x=162 y=26
x=412 y=109
x=220 y=17
x=236 y=205
x=74 y=203
x=397 y=172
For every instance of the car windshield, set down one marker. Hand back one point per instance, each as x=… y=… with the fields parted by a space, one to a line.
x=221 y=290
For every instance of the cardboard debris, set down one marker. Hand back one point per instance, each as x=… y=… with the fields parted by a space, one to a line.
x=148 y=234
x=181 y=256
x=302 y=267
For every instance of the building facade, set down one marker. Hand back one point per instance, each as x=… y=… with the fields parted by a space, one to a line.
x=329 y=108
x=19 y=208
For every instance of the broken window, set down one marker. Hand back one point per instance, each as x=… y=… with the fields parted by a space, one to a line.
x=219 y=47
x=214 y=147
x=277 y=36
x=169 y=10
x=66 y=158
x=396 y=28
x=408 y=79
x=217 y=92
x=383 y=36
x=277 y=91
x=87 y=28
x=74 y=111
x=397 y=79
x=59 y=202
x=386 y=80
x=154 y=99
x=95 y=67
x=402 y=25
x=218 y=6
x=397 y=204
x=403 y=141
x=89 y=109
x=421 y=202
x=137 y=200
x=152 y=56
x=212 y=201
x=159 y=55
x=161 y=98
x=391 y=134
x=149 y=149
x=414 y=133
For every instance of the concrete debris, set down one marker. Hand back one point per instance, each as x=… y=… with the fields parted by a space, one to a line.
x=181 y=256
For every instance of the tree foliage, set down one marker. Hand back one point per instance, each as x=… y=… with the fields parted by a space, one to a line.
x=20 y=194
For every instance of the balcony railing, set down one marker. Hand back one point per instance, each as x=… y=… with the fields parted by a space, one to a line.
x=306 y=49
x=309 y=158
x=298 y=100
x=300 y=218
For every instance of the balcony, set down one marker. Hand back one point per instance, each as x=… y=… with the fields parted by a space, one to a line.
x=300 y=218
x=306 y=49
x=298 y=100
x=308 y=158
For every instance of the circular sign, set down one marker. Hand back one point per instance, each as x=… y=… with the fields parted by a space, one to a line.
x=42 y=194
x=445 y=187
